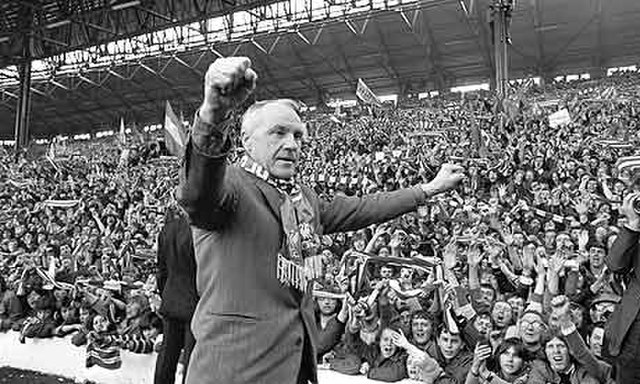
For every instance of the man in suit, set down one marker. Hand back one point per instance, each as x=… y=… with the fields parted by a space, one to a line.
x=257 y=235
x=623 y=328
x=176 y=279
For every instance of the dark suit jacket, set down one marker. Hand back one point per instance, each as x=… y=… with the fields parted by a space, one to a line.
x=623 y=259
x=177 y=270
x=248 y=327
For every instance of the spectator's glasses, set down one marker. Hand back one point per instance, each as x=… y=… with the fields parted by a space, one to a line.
x=535 y=324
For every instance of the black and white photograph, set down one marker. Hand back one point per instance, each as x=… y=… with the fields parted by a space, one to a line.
x=319 y=191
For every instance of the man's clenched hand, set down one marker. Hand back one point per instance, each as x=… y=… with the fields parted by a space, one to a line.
x=227 y=83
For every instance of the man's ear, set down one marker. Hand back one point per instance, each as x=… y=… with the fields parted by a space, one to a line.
x=245 y=139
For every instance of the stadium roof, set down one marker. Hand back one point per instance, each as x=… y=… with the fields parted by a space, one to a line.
x=307 y=49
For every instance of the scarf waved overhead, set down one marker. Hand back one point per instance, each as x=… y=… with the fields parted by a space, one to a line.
x=299 y=260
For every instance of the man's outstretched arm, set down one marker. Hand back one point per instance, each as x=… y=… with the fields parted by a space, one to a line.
x=202 y=191
x=352 y=213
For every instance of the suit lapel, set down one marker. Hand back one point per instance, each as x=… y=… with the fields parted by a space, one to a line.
x=271 y=196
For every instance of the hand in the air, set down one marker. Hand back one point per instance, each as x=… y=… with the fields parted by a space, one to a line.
x=448 y=177
x=227 y=83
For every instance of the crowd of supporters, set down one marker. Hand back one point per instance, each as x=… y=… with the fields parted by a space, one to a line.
x=503 y=280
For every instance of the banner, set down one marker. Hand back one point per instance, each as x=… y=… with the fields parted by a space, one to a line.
x=629 y=162
x=614 y=144
x=174 y=135
x=61 y=203
x=364 y=93
x=559 y=118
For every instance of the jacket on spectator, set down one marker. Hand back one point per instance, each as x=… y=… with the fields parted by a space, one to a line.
x=176 y=254
x=455 y=370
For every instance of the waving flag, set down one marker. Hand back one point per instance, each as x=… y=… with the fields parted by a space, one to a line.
x=122 y=135
x=174 y=136
x=365 y=94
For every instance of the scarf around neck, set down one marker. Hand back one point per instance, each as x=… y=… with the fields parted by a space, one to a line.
x=299 y=259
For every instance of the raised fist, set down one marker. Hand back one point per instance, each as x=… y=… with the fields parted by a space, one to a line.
x=227 y=83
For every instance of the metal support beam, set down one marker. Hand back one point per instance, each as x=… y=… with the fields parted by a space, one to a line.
x=301 y=61
x=537 y=13
x=554 y=60
x=600 y=61
x=425 y=37
x=499 y=9
x=387 y=60
x=23 y=112
x=475 y=19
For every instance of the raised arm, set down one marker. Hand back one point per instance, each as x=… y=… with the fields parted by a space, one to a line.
x=351 y=213
x=202 y=192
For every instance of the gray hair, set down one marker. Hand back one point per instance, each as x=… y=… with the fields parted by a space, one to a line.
x=250 y=113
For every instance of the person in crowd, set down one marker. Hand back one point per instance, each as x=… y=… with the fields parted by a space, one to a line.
x=451 y=354
x=102 y=348
x=177 y=283
x=10 y=306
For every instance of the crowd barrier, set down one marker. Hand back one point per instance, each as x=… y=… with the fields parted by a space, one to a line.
x=58 y=356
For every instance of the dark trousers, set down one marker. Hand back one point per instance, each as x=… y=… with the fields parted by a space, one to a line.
x=628 y=362
x=177 y=335
x=304 y=376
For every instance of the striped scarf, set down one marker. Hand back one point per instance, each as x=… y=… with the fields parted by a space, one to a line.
x=299 y=260
x=104 y=355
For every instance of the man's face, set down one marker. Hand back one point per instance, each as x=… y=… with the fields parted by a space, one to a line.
x=421 y=330
x=274 y=138
x=449 y=344
x=550 y=239
x=596 y=256
x=510 y=362
x=518 y=240
x=327 y=306
x=517 y=306
x=557 y=354
x=531 y=328
x=387 y=347
x=487 y=295
x=482 y=324
x=501 y=314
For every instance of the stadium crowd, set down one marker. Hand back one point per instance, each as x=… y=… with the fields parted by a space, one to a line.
x=502 y=281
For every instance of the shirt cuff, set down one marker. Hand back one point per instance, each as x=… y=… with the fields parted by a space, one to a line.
x=210 y=139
